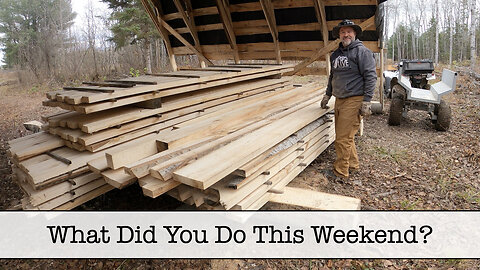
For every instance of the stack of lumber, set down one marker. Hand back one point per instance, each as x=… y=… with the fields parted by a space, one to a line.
x=218 y=138
x=104 y=114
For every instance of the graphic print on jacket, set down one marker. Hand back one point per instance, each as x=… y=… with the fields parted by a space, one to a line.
x=341 y=62
x=353 y=72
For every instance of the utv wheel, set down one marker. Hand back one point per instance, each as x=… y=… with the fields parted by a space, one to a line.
x=396 y=106
x=444 y=115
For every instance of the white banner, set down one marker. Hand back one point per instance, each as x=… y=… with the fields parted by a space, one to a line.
x=259 y=234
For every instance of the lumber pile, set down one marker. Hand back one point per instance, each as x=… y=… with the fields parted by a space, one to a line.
x=223 y=137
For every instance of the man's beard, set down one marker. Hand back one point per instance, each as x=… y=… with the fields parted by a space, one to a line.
x=346 y=42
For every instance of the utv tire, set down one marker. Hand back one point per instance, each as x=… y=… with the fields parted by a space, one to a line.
x=444 y=116
x=396 y=109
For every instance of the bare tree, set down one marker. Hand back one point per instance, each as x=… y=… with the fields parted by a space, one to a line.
x=91 y=33
x=437 y=30
x=473 y=51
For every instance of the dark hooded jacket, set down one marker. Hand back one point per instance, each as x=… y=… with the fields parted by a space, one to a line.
x=353 y=72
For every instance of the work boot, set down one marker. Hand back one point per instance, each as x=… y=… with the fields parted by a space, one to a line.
x=332 y=176
x=353 y=171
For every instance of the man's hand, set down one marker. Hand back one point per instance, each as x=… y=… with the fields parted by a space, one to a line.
x=324 y=102
x=365 y=109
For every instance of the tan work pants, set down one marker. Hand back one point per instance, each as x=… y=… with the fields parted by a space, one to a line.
x=347 y=123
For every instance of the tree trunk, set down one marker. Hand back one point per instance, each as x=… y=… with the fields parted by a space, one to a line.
x=157 y=54
x=436 y=31
x=148 y=58
x=473 y=54
x=451 y=46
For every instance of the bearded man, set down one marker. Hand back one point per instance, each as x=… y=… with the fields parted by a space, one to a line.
x=352 y=81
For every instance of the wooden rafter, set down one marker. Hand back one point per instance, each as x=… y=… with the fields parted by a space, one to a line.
x=184 y=41
x=162 y=32
x=228 y=26
x=190 y=23
x=322 y=19
x=269 y=12
x=328 y=48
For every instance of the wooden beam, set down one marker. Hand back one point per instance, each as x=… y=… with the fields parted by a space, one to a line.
x=322 y=19
x=328 y=48
x=283 y=4
x=183 y=41
x=269 y=12
x=162 y=31
x=294 y=49
x=228 y=27
x=190 y=23
x=350 y=2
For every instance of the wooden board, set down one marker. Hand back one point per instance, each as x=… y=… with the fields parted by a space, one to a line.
x=177 y=101
x=41 y=196
x=43 y=169
x=132 y=151
x=274 y=163
x=282 y=179
x=85 y=198
x=177 y=85
x=201 y=175
x=165 y=168
x=141 y=168
x=118 y=178
x=98 y=165
x=315 y=200
x=33 y=145
x=65 y=198
x=226 y=121
x=260 y=202
x=251 y=198
x=107 y=138
x=115 y=117
x=292 y=143
x=153 y=187
x=291 y=164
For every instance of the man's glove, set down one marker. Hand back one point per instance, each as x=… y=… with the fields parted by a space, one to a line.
x=324 y=102
x=365 y=109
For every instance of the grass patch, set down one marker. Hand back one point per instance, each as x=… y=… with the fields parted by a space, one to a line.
x=470 y=195
x=396 y=155
x=443 y=184
x=408 y=205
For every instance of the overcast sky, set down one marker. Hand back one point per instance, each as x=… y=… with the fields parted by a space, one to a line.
x=79 y=7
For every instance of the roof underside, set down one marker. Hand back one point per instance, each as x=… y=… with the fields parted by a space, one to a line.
x=258 y=29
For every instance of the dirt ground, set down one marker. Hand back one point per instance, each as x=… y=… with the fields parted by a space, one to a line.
x=407 y=167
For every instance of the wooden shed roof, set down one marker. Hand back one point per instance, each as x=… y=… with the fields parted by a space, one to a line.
x=260 y=29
